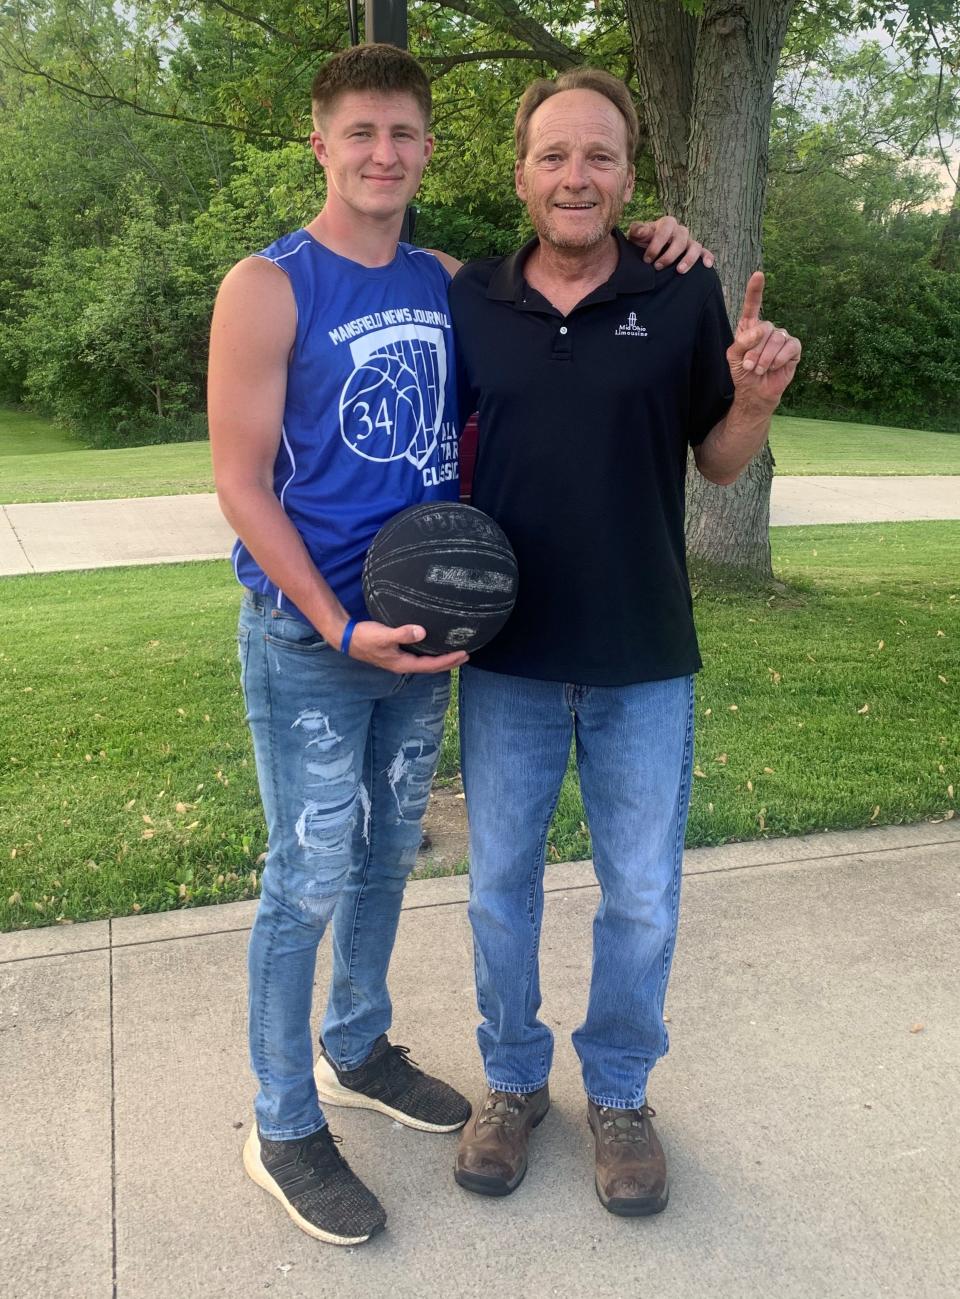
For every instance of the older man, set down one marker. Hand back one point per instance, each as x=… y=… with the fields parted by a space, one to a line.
x=592 y=373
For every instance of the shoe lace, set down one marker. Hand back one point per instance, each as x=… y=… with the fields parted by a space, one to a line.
x=321 y=1156
x=398 y=1068
x=624 y=1126
x=501 y=1108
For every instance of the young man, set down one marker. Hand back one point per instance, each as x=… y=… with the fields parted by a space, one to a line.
x=333 y=406
x=592 y=374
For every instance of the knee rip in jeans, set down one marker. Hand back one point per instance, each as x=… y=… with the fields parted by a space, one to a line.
x=316 y=906
x=410 y=775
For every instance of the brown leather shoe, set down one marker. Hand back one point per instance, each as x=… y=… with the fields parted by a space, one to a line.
x=631 y=1166
x=492 y=1155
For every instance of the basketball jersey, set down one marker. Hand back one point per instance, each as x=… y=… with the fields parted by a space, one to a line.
x=370 y=416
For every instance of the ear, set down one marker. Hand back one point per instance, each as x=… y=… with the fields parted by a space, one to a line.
x=519 y=182
x=318 y=147
x=429 y=143
x=630 y=183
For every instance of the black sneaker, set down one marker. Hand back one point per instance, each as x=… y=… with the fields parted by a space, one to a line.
x=388 y=1081
x=315 y=1185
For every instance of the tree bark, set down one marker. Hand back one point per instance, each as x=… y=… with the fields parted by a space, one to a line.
x=715 y=177
x=664 y=37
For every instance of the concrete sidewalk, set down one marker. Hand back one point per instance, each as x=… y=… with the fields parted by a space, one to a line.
x=809 y=1106
x=167 y=529
x=67 y=535
x=863 y=500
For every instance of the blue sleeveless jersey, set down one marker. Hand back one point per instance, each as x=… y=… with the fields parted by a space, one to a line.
x=370 y=418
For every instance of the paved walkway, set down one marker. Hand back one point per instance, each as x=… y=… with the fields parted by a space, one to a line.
x=166 y=529
x=863 y=500
x=809 y=1105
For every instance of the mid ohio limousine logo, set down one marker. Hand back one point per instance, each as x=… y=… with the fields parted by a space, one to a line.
x=631 y=329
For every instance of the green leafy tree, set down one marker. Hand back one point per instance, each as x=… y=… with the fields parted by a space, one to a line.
x=115 y=333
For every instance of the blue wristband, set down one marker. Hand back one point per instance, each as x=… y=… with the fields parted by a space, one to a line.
x=347 y=636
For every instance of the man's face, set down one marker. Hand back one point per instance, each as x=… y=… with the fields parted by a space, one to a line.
x=373 y=148
x=576 y=176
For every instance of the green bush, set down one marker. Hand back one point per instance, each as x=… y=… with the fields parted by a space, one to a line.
x=144 y=429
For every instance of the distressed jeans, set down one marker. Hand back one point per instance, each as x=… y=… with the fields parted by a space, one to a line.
x=345 y=754
x=634 y=754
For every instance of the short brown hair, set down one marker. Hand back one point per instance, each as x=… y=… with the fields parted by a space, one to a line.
x=576 y=79
x=381 y=68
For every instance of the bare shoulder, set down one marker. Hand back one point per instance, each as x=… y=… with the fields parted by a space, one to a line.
x=256 y=277
x=450 y=264
x=256 y=300
x=251 y=336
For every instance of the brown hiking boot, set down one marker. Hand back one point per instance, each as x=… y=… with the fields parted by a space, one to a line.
x=631 y=1166
x=492 y=1155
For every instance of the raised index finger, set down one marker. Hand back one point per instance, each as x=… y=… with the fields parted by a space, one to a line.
x=753 y=298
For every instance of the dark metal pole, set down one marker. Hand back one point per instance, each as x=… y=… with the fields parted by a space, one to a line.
x=386 y=21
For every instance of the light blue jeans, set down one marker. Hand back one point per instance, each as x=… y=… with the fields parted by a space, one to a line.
x=634 y=747
x=345 y=756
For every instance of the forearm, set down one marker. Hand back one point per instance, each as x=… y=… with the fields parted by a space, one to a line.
x=258 y=519
x=730 y=445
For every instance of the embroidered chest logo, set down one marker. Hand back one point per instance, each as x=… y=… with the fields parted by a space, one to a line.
x=631 y=329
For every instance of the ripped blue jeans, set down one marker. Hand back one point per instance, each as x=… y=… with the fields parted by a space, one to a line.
x=345 y=757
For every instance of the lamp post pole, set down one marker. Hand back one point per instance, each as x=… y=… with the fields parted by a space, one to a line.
x=386 y=21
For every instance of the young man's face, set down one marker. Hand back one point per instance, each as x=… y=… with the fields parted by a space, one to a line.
x=373 y=148
x=576 y=176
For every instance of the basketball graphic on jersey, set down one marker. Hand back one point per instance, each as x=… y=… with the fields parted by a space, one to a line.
x=391 y=406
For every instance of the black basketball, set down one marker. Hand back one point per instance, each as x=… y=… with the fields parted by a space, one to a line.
x=445 y=566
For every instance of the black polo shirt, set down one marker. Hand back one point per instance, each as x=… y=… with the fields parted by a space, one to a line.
x=584 y=422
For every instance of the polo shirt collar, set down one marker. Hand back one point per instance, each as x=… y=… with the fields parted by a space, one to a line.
x=631 y=274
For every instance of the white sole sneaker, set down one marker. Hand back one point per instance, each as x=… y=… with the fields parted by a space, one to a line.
x=255 y=1169
x=332 y=1091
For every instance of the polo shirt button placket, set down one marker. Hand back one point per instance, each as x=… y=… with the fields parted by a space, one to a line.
x=562 y=343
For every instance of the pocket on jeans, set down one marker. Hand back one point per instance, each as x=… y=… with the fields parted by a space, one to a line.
x=293 y=633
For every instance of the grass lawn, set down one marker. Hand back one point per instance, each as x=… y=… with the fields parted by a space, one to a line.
x=30 y=472
x=23 y=434
x=128 y=782
x=815 y=446
x=39 y=462
x=86 y=475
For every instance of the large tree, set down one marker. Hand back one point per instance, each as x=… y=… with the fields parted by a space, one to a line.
x=707 y=85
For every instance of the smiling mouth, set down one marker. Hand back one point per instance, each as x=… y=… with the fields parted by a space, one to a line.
x=575 y=207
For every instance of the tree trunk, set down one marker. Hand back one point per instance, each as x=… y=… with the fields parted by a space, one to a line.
x=664 y=38
x=723 y=161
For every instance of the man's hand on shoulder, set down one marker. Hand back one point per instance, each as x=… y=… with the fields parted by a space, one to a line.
x=667 y=241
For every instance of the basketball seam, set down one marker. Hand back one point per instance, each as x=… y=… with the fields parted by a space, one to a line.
x=428 y=600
